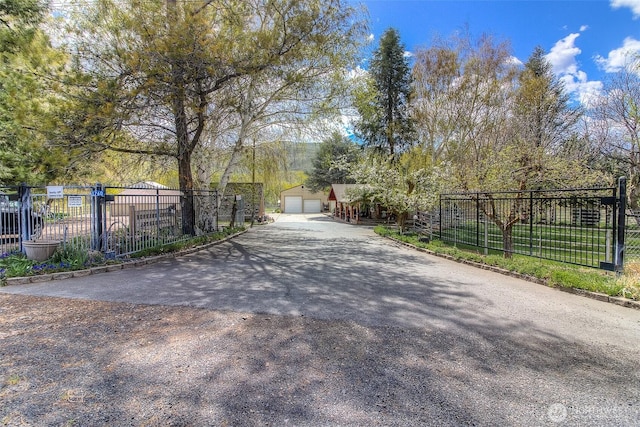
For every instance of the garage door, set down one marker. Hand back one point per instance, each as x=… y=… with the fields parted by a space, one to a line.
x=312 y=206
x=293 y=204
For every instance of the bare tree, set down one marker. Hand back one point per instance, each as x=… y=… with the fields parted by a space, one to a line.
x=497 y=126
x=615 y=125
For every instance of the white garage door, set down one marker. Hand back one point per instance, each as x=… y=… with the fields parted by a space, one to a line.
x=312 y=206
x=293 y=204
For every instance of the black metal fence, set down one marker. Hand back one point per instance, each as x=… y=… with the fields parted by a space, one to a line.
x=632 y=235
x=577 y=226
x=114 y=220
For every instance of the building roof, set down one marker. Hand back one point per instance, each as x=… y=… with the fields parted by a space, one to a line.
x=304 y=189
x=149 y=192
x=339 y=192
x=291 y=188
x=148 y=184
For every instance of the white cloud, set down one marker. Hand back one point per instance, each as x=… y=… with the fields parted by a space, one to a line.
x=618 y=58
x=634 y=5
x=515 y=61
x=562 y=58
x=371 y=38
x=580 y=87
x=356 y=73
x=407 y=54
x=584 y=28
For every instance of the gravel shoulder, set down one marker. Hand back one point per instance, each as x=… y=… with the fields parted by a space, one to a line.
x=88 y=363
x=70 y=362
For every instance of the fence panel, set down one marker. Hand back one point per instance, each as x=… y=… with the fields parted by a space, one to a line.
x=66 y=218
x=9 y=219
x=116 y=220
x=632 y=239
x=572 y=226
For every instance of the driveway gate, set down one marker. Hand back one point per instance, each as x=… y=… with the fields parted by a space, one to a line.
x=114 y=220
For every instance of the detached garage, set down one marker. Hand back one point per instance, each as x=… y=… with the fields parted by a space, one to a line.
x=292 y=204
x=302 y=200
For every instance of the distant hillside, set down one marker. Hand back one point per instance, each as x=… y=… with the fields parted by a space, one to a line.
x=300 y=155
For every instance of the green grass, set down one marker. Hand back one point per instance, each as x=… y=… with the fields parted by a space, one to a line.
x=554 y=273
x=561 y=236
x=580 y=245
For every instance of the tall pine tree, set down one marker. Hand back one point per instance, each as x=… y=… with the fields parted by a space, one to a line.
x=545 y=122
x=26 y=57
x=330 y=165
x=383 y=105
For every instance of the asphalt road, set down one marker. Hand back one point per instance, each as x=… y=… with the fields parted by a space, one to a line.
x=503 y=349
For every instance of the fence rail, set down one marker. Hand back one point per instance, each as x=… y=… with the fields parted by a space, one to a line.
x=577 y=226
x=114 y=220
x=632 y=235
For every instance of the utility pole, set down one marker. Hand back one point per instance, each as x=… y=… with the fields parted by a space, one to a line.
x=253 y=183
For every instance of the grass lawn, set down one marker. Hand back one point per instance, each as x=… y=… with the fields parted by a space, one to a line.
x=577 y=245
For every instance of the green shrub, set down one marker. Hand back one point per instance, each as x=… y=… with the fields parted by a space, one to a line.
x=15 y=264
x=71 y=257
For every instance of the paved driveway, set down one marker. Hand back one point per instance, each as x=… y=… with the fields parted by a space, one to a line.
x=529 y=354
x=310 y=265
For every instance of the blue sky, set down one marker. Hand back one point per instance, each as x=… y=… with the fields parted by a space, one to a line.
x=584 y=39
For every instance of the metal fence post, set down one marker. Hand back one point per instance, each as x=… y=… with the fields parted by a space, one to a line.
x=477 y=219
x=530 y=223
x=158 y=211
x=97 y=201
x=622 y=216
x=24 y=193
x=440 y=216
x=216 y=204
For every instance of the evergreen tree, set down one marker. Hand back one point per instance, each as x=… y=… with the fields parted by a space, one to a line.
x=383 y=104
x=19 y=20
x=544 y=123
x=26 y=100
x=330 y=165
x=543 y=106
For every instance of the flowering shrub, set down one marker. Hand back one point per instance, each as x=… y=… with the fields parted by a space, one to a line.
x=16 y=264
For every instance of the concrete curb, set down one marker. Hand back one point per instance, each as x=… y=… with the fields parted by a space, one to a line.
x=624 y=302
x=114 y=267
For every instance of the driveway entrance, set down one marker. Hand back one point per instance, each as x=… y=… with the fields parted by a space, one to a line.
x=376 y=334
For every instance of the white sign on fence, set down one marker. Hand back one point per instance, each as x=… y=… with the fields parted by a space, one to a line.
x=55 y=191
x=74 y=201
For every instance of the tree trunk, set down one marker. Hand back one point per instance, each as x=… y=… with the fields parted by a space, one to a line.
x=185 y=175
x=234 y=212
x=633 y=191
x=401 y=220
x=507 y=241
x=186 y=187
x=184 y=145
x=235 y=158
